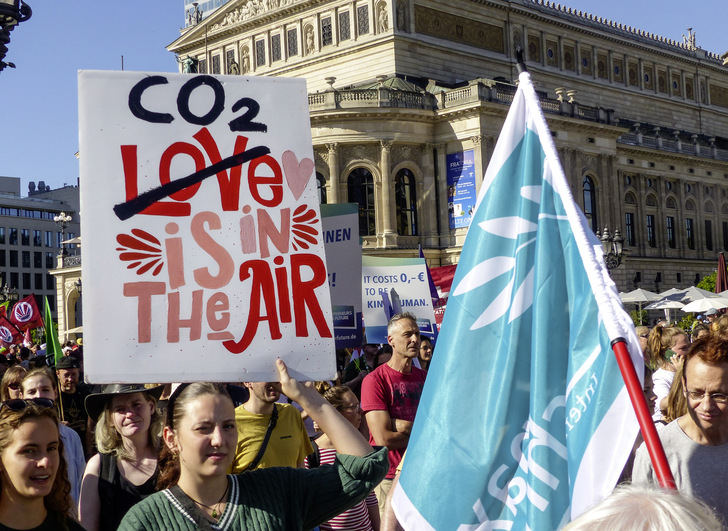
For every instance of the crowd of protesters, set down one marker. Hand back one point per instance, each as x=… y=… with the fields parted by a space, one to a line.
x=290 y=455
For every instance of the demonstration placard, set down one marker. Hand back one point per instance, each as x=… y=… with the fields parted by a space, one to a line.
x=202 y=238
x=393 y=285
x=343 y=262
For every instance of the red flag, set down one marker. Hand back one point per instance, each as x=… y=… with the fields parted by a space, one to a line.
x=9 y=333
x=25 y=314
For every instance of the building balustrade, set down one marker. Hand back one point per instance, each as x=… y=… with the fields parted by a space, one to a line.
x=642 y=135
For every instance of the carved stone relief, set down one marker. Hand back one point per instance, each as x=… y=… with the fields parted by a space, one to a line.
x=367 y=152
x=402 y=153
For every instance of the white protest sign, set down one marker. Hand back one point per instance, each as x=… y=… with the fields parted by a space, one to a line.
x=343 y=262
x=203 y=250
x=405 y=284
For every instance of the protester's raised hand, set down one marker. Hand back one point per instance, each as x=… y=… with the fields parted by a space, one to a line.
x=291 y=387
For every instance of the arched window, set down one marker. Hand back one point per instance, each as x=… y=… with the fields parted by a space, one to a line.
x=321 y=186
x=590 y=202
x=405 y=203
x=360 y=186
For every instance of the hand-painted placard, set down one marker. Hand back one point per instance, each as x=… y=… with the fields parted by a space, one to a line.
x=400 y=283
x=461 y=195
x=203 y=247
x=343 y=262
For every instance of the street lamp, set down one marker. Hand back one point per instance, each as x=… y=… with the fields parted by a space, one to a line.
x=12 y=13
x=79 y=286
x=612 y=246
x=62 y=220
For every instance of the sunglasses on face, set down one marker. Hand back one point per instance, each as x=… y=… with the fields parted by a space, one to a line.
x=20 y=404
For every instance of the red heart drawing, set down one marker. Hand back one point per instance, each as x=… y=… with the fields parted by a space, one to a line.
x=297 y=173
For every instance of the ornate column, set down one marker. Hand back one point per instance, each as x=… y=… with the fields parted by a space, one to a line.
x=442 y=194
x=333 y=160
x=479 y=160
x=680 y=228
x=699 y=229
x=428 y=200
x=388 y=231
x=642 y=218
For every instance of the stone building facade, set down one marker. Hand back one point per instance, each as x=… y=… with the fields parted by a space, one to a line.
x=397 y=88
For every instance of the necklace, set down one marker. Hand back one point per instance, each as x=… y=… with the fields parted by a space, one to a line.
x=214 y=507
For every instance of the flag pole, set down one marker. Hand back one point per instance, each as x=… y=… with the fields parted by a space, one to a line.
x=647 y=427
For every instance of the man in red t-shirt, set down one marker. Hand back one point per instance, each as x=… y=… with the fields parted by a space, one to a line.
x=391 y=393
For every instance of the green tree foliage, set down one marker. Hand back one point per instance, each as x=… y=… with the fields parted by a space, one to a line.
x=708 y=283
x=639 y=318
x=687 y=322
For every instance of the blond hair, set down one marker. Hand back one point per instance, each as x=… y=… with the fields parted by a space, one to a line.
x=108 y=440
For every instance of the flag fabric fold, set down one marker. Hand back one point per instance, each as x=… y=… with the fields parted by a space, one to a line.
x=53 y=345
x=25 y=314
x=9 y=333
x=524 y=421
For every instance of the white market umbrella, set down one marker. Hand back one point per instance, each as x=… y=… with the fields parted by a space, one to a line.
x=638 y=297
x=669 y=292
x=703 y=305
x=666 y=305
x=693 y=294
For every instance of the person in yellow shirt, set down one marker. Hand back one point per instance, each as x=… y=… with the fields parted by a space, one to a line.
x=269 y=434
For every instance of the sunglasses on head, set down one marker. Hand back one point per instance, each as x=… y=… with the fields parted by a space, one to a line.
x=19 y=404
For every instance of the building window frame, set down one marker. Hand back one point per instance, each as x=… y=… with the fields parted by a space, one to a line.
x=589 y=202
x=405 y=199
x=690 y=233
x=360 y=187
x=629 y=229
x=651 y=234
x=670 y=231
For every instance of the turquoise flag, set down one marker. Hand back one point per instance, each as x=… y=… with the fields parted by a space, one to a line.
x=525 y=420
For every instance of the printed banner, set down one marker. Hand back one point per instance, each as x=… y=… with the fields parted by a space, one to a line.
x=203 y=247
x=343 y=262
x=526 y=339
x=461 y=193
x=391 y=285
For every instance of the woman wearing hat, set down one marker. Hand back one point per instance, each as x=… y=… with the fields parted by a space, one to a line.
x=125 y=470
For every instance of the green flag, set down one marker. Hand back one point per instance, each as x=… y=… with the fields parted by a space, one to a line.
x=53 y=346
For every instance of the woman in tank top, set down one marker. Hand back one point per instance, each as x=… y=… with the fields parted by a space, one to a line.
x=125 y=470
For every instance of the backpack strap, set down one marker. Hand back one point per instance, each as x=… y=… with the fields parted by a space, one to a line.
x=261 y=450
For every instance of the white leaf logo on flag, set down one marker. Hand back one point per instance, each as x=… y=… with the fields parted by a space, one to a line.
x=510 y=227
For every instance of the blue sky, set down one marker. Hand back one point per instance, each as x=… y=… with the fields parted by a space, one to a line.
x=39 y=98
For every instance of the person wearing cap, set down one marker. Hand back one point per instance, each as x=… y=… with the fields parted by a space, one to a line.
x=73 y=414
x=124 y=472
x=712 y=316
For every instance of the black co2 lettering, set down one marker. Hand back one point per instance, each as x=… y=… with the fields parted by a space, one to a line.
x=241 y=123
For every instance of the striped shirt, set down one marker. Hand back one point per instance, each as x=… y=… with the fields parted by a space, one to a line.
x=356 y=518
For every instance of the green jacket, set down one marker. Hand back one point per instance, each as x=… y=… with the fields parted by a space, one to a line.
x=273 y=498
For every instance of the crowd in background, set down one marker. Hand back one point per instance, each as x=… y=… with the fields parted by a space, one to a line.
x=289 y=455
